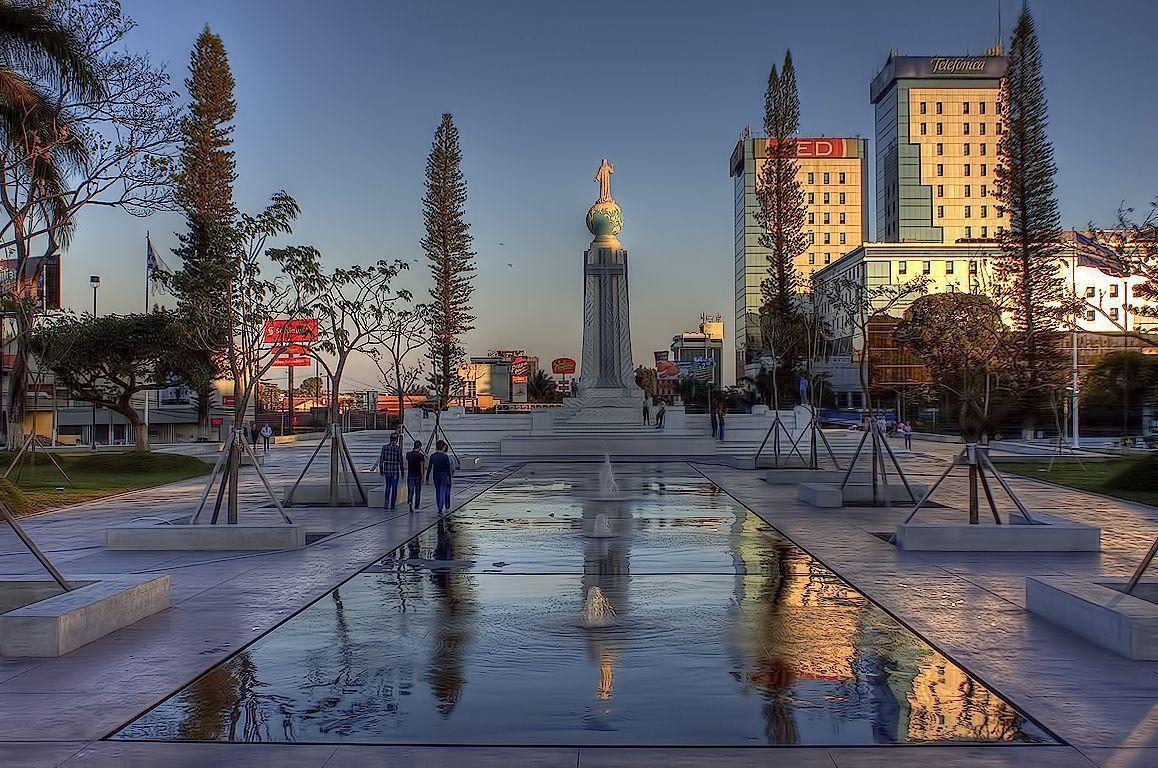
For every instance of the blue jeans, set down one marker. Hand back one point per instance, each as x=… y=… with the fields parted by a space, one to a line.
x=442 y=492
x=720 y=432
x=390 y=498
x=414 y=490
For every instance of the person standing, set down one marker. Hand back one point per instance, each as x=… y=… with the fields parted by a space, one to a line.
x=442 y=469
x=720 y=420
x=646 y=410
x=715 y=411
x=907 y=432
x=390 y=465
x=659 y=414
x=415 y=460
x=266 y=434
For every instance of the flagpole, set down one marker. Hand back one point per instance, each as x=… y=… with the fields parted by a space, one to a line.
x=1075 y=402
x=148 y=279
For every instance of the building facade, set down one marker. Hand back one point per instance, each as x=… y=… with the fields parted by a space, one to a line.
x=938 y=121
x=705 y=344
x=833 y=173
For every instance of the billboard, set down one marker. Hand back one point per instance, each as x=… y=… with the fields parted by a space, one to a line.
x=284 y=361
x=562 y=366
x=701 y=369
x=819 y=147
x=41 y=278
x=302 y=330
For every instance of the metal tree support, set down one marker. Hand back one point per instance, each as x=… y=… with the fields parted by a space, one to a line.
x=30 y=445
x=31 y=546
x=341 y=459
x=976 y=458
x=778 y=426
x=1142 y=566
x=880 y=448
x=235 y=442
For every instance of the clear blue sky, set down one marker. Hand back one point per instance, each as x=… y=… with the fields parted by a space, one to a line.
x=338 y=102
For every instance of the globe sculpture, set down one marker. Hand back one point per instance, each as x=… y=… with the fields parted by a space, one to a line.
x=605 y=218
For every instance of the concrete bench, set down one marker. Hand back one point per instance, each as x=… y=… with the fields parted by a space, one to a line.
x=826 y=495
x=1053 y=534
x=1100 y=611
x=794 y=475
x=63 y=622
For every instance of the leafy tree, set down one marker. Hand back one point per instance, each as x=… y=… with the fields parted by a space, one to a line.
x=269 y=396
x=311 y=387
x=647 y=379
x=958 y=336
x=108 y=360
x=83 y=121
x=204 y=193
x=1030 y=281
x=782 y=216
x=447 y=245
x=406 y=333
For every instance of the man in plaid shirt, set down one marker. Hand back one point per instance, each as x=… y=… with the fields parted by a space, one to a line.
x=390 y=464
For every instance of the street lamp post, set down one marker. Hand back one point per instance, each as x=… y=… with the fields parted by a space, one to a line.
x=95 y=282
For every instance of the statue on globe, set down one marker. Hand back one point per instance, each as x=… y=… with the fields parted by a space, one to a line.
x=603 y=176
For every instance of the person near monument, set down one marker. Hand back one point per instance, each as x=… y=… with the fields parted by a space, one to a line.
x=659 y=414
x=266 y=434
x=415 y=461
x=441 y=468
x=720 y=419
x=646 y=410
x=390 y=465
x=715 y=414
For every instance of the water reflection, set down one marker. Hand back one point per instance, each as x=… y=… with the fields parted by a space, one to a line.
x=727 y=633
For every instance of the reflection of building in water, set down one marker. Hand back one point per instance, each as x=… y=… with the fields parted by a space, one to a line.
x=607 y=565
x=945 y=703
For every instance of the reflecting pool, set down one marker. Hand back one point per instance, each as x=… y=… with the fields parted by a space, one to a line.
x=726 y=633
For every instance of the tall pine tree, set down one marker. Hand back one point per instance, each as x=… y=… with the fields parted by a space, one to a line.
x=204 y=192
x=1028 y=272
x=447 y=245
x=782 y=216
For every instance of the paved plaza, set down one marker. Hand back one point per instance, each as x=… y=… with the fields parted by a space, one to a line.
x=968 y=606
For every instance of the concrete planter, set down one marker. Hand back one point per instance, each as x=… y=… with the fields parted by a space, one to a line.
x=792 y=476
x=1100 y=611
x=42 y=620
x=318 y=494
x=179 y=535
x=1054 y=534
x=832 y=496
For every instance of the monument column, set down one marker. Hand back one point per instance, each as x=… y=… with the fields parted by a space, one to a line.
x=608 y=376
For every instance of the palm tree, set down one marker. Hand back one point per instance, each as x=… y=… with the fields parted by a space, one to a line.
x=540 y=387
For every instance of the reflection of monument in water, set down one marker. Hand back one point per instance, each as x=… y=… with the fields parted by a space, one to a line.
x=607 y=389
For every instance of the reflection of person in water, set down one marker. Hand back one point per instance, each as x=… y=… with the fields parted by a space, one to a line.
x=453 y=619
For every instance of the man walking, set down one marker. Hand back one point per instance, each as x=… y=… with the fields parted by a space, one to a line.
x=441 y=468
x=646 y=410
x=715 y=415
x=390 y=465
x=266 y=434
x=415 y=460
x=720 y=420
x=659 y=414
x=907 y=433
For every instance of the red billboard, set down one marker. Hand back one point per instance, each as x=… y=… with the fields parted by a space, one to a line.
x=562 y=365
x=302 y=330
x=822 y=147
x=292 y=362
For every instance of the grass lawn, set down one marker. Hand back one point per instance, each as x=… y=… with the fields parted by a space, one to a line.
x=1098 y=476
x=36 y=486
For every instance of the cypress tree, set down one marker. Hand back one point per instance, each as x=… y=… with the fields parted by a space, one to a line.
x=1028 y=271
x=782 y=216
x=204 y=193
x=447 y=245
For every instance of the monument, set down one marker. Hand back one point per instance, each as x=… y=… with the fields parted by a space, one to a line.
x=607 y=391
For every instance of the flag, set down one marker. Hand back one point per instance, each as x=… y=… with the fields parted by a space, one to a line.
x=1100 y=257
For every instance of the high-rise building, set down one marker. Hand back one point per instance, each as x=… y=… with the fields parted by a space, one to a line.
x=834 y=175
x=938 y=121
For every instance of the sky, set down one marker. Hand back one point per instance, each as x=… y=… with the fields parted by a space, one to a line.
x=337 y=104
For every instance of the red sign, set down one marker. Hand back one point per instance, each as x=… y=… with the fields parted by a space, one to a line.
x=300 y=331
x=822 y=147
x=215 y=422
x=293 y=362
x=563 y=365
x=228 y=401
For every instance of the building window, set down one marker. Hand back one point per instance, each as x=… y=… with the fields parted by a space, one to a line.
x=966 y=169
x=827 y=258
x=841 y=198
x=842 y=239
x=940 y=170
x=984 y=190
x=811 y=258
x=972 y=267
x=826 y=198
x=924 y=129
x=984 y=232
x=981 y=107
x=966 y=149
x=965 y=129
x=842 y=216
x=811 y=217
x=939 y=107
x=840 y=178
x=968 y=211
x=811 y=198
x=1113 y=313
x=983 y=129
x=948 y=267
x=983 y=148
x=1113 y=290
x=940 y=148
x=826 y=178
x=968 y=189
x=926 y=267
x=811 y=237
x=985 y=211
x=1090 y=292
x=940 y=211
x=902 y=268
x=811 y=178
x=1090 y=316
x=940 y=129
x=826 y=218
x=924 y=107
x=828 y=238
x=940 y=190
x=997 y=129
x=968 y=232
x=965 y=108
x=984 y=169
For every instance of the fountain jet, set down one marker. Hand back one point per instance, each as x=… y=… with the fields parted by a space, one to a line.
x=597 y=610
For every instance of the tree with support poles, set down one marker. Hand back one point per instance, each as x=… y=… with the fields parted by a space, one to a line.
x=407 y=331
x=353 y=308
x=448 y=248
x=852 y=305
